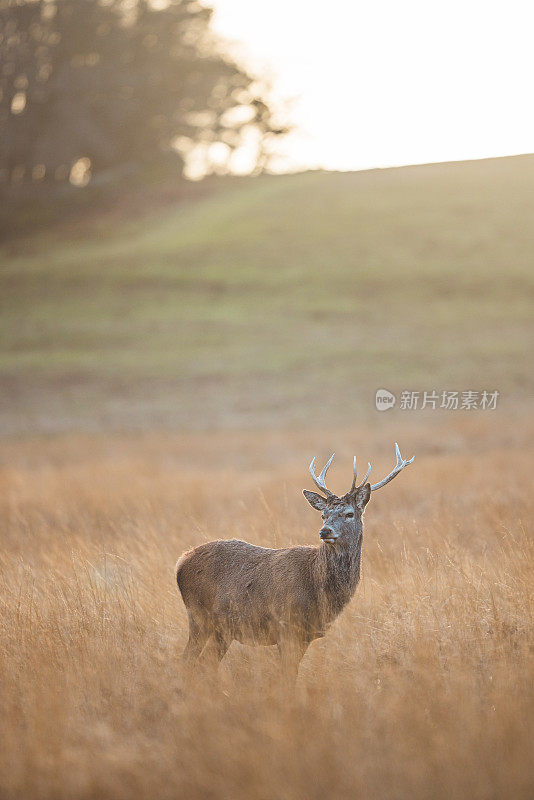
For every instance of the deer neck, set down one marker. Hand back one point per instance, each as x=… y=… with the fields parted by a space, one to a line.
x=338 y=573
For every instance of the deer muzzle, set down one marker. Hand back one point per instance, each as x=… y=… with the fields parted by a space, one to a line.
x=327 y=534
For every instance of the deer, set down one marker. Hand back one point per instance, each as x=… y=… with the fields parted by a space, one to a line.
x=233 y=590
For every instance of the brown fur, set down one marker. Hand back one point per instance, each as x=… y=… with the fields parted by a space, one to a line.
x=263 y=596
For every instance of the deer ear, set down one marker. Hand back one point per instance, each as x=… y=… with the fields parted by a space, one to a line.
x=314 y=500
x=362 y=495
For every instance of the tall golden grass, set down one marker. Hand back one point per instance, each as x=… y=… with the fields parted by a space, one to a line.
x=422 y=689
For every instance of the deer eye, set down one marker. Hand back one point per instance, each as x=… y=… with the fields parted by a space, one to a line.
x=349 y=515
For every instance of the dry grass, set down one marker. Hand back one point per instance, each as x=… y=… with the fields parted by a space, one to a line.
x=422 y=689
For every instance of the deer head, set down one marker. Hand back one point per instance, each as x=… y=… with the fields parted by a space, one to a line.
x=342 y=516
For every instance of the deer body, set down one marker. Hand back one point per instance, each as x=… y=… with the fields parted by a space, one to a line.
x=288 y=596
x=259 y=595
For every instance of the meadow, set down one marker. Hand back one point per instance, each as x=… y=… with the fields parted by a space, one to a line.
x=422 y=688
x=273 y=300
x=166 y=379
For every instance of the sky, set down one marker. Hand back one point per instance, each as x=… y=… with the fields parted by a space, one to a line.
x=390 y=82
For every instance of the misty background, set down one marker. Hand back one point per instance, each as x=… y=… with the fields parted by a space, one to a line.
x=169 y=257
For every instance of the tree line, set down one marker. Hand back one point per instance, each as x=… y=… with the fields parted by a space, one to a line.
x=91 y=88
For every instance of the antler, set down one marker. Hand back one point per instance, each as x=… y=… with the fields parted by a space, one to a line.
x=398 y=467
x=319 y=481
x=353 y=487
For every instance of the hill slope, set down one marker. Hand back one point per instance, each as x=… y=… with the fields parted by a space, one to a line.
x=279 y=298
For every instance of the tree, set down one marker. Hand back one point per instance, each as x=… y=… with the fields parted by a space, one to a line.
x=89 y=86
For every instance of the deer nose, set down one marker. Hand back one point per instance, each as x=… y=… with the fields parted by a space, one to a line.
x=327 y=533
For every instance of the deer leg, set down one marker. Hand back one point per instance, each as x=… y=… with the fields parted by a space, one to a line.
x=216 y=648
x=198 y=636
x=291 y=652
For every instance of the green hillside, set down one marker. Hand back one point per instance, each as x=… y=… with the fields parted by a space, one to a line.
x=276 y=299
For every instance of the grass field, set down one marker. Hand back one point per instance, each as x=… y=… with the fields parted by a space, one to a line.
x=275 y=300
x=423 y=687
x=166 y=380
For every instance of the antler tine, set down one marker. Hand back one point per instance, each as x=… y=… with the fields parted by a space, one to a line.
x=366 y=476
x=354 y=478
x=398 y=467
x=353 y=487
x=320 y=481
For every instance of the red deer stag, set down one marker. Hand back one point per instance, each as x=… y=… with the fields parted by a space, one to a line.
x=288 y=596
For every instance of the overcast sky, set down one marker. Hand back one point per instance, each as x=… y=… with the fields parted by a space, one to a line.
x=388 y=82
